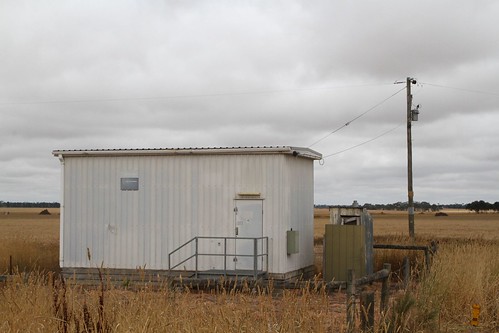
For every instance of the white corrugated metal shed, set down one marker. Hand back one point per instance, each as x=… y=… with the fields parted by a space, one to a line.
x=132 y=207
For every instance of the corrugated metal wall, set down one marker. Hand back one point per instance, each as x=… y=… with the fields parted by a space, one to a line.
x=344 y=249
x=299 y=211
x=180 y=197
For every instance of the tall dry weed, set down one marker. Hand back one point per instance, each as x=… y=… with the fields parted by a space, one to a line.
x=464 y=272
x=38 y=303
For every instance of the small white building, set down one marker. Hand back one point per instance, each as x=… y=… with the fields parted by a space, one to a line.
x=231 y=210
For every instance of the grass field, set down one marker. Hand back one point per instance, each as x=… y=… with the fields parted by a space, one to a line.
x=458 y=224
x=28 y=223
x=31 y=239
x=464 y=271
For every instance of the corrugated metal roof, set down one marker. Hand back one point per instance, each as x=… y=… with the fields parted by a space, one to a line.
x=296 y=151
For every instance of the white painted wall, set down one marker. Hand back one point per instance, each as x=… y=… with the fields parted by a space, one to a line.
x=180 y=197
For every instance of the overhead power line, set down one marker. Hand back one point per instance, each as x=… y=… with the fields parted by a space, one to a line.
x=363 y=143
x=357 y=117
x=461 y=89
x=186 y=96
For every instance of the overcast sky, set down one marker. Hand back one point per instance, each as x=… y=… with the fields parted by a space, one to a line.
x=150 y=74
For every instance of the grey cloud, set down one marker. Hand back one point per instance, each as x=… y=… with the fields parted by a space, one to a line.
x=180 y=74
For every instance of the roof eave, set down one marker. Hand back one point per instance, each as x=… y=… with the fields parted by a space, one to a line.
x=296 y=151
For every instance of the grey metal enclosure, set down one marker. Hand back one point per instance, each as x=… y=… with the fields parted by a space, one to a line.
x=188 y=209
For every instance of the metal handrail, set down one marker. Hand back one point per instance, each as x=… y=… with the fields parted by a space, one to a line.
x=197 y=253
x=178 y=249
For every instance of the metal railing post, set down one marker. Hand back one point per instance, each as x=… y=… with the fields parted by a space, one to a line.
x=255 y=253
x=196 y=273
x=267 y=253
x=257 y=256
x=225 y=256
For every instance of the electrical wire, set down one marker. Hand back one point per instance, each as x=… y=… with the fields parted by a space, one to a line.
x=128 y=99
x=363 y=143
x=394 y=128
x=357 y=117
x=461 y=89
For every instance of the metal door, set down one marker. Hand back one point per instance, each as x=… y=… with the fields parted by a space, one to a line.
x=248 y=226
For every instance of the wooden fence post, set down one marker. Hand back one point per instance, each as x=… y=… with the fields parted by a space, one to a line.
x=407 y=272
x=351 y=301
x=367 y=312
x=427 y=259
x=385 y=289
x=433 y=247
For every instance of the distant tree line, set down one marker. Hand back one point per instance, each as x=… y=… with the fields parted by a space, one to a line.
x=481 y=206
x=478 y=206
x=421 y=206
x=29 y=204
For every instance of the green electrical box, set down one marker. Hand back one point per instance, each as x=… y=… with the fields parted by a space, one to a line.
x=293 y=243
x=344 y=249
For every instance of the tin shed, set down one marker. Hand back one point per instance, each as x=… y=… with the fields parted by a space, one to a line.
x=348 y=242
x=239 y=210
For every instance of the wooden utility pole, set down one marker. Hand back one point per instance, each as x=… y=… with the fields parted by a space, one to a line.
x=410 y=191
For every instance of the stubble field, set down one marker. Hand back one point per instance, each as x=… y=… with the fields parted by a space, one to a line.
x=458 y=224
x=465 y=271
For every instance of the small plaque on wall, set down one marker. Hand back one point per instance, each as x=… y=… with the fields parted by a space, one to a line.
x=129 y=184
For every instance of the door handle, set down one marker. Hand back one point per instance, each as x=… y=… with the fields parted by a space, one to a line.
x=237 y=231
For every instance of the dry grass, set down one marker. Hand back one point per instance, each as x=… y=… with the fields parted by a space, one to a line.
x=31 y=239
x=321 y=218
x=38 y=304
x=28 y=223
x=464 y=271
x=458 y=224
